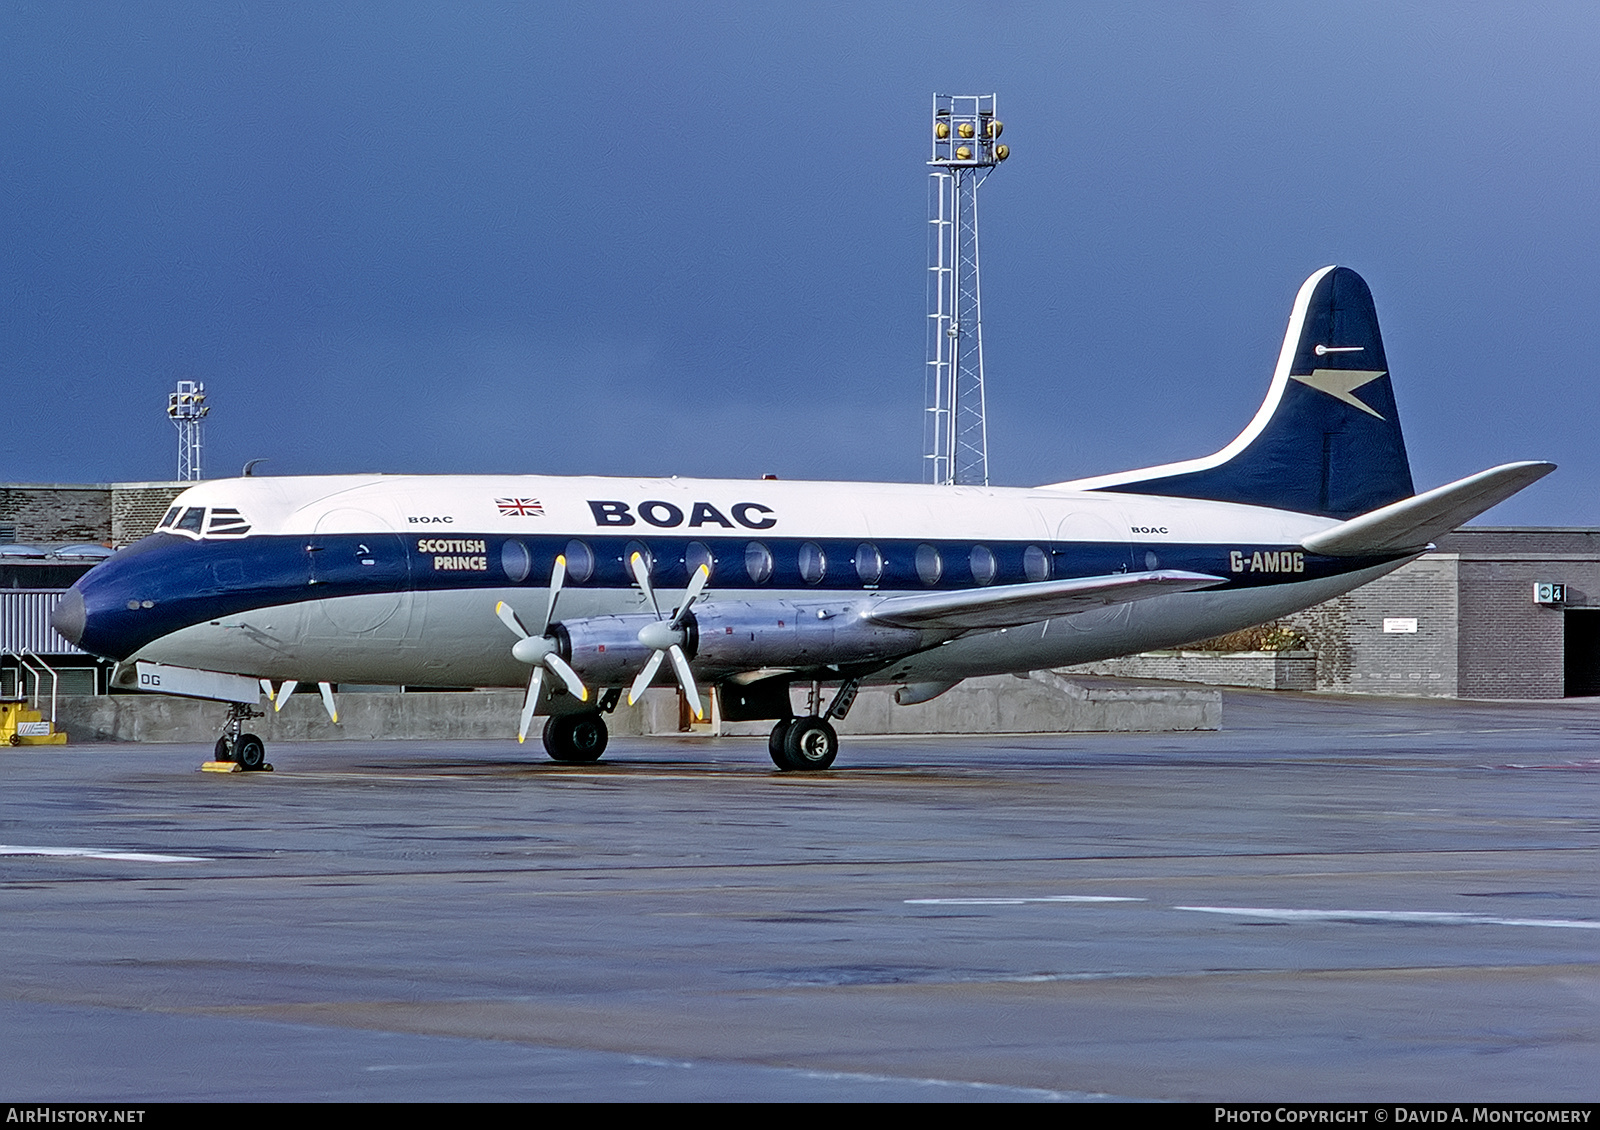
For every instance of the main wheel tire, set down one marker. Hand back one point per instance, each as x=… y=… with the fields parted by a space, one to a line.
x=250 y=753
x=223 y=751
x=780 y=730
x=810 y=744
x=575 y=738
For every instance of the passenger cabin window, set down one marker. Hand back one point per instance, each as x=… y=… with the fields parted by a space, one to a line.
x=869 y=563
x=643 y=551
x=695 y=554
x=580 y=561
x=930 y=567
x=758 y=562
x=1035 y=564
x=813 y=565
x=983 y=564
x=193 y=518
x=515 y=560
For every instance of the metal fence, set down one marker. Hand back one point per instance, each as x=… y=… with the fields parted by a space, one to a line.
x=25 y=623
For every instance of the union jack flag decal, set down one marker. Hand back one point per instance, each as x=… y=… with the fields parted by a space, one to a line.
x=521 y=507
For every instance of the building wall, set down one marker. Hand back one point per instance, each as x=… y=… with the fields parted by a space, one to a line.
x=1510 y=646
x=55 y=513
x=64 y=514
x=1355 y=654
x=137 y=507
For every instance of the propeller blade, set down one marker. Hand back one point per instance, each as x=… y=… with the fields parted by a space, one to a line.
x=680 y=663
x=509 y=619
x=697 y=584
x=643 y=681
x=642 y=575
x=266 y=689
x=529 y=703
x=327 y=701
x=285 y=689
x=557 y=576
x=568 y=676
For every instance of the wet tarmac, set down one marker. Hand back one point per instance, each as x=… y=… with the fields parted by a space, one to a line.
x=1330 y=899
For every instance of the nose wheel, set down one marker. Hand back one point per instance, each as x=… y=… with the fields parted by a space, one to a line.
x=246 y=751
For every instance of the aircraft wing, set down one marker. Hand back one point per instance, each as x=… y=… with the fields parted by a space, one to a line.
x=1007 y=606
x=1413 y=522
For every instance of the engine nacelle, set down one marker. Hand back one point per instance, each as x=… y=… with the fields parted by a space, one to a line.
x=604 y=650
x=735 y=636
x=725 y=637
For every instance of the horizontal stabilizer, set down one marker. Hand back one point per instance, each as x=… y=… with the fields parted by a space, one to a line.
x=1007 y=606
x=1414 y=522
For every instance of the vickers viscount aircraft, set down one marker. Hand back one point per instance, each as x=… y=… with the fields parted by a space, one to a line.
x=583 y=589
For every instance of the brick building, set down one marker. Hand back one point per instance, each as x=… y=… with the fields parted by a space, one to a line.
x=1463 y=621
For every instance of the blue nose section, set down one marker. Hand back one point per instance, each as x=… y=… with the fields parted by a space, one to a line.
x=69 y=616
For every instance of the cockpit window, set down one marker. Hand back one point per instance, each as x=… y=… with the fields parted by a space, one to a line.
x=226 y=520
x=167 y=521
x=192 y=519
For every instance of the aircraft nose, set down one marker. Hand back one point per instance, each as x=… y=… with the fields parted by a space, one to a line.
x=69 y=616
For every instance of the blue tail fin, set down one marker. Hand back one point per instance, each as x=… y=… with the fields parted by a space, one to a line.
x=1327 y=438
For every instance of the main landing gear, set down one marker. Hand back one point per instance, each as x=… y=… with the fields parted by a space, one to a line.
x=245 y=752
x=575 y=738
x=803 y=743
x=811 y=743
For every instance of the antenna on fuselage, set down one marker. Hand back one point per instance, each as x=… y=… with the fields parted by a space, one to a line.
x=965 y=151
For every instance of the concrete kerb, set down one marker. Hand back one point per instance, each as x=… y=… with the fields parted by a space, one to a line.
x=1041 y=703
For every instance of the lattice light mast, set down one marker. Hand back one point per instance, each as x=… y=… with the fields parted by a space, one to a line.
x=186 y=407
x=966 y=149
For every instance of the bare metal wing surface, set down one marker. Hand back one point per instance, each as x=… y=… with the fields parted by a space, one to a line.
x=1015 y=605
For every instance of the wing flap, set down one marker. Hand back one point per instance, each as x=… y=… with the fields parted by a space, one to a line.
x=1010 y=605
x=1413 y=522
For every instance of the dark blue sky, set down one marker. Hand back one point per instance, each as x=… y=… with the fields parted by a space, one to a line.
x=689 y=239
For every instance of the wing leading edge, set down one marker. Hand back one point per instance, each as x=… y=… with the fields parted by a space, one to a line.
x=1011 y=605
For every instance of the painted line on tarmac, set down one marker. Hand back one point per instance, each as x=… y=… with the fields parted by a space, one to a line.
x=1426 y=917
x=95 y=853
x=1020 y=901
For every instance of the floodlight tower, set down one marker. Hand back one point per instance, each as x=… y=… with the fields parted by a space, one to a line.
x=186 y=407
x=965 y=150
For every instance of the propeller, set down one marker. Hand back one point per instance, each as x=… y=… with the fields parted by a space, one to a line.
x=667 y=637
x=540 y=650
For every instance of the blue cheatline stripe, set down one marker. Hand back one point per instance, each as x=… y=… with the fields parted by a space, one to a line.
x=188 y=582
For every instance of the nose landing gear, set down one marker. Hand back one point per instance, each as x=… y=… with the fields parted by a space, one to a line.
x=237 y=751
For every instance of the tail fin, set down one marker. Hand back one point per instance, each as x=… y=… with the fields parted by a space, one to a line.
x=1327 y=438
